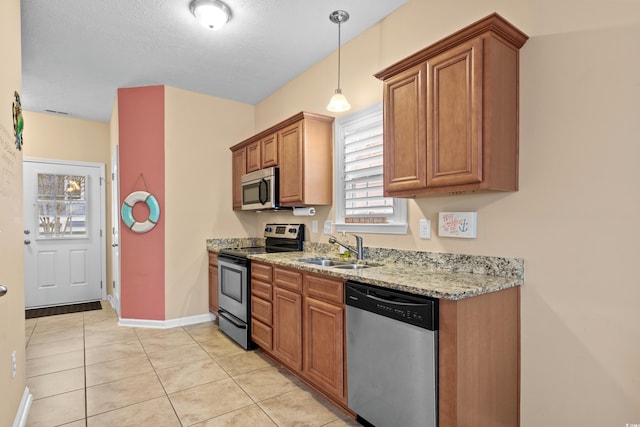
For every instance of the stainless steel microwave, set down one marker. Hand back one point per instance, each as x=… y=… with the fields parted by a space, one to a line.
x=260 y=190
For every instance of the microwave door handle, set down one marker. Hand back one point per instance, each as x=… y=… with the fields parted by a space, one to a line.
x=266 y=191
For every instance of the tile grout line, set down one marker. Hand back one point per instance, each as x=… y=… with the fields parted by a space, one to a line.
x=84 y=365
x=236 y=383
x=158 y=377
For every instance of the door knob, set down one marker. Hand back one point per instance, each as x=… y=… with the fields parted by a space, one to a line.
x=3 y=290
x=27 y=231
x=27 y=242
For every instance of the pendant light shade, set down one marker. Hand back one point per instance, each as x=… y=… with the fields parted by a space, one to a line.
x=338 y=102
x=212 y=14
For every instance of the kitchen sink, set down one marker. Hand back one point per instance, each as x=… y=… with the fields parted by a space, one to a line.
x=325 y=262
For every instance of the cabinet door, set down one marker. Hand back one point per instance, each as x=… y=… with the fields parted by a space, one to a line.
x=213 y=289
x=324 y=346
x=405 y=145
x=269 y=151
x=239 y=165
x=287 y=327
x=291 y=164
x=454 y=116
x=253 y=157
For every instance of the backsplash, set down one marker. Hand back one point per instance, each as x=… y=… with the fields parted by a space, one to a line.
x=217 y=244
x=435 y=261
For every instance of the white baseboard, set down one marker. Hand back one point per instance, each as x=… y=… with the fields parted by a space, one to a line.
x=115 y=303
x=23 y=410
x=165 y=324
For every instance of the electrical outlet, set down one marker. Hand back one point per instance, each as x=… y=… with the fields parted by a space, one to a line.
x=314 y=226
x=327 y=227
x=14 y=364
x=425 y=229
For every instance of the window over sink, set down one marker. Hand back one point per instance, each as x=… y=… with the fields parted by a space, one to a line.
x=359 y=201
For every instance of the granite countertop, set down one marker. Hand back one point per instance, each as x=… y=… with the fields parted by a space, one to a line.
x=409 y=278
x=437 y=275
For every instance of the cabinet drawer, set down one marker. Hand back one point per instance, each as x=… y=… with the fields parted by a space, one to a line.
x=261 y=289
x=261 y=272
x=213 y=259
x=262 y=334
x=261 y=310
x=324 y=287
x=287 y=279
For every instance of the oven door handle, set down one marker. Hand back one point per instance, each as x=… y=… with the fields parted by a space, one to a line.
x=230 y=319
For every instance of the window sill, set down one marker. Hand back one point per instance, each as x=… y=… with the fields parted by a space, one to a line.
x=372 y=228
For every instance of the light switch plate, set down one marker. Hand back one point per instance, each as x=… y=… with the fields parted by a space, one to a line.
x=457 y=224
x=327 y=227
x=314 y=226
x=425 y=229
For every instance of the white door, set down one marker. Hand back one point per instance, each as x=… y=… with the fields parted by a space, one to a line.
x=115 y=231
x=63 y=216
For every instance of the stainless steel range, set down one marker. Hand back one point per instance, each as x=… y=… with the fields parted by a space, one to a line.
x=234 y=279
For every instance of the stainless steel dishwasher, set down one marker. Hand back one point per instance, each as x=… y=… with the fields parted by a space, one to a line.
x=392 y=357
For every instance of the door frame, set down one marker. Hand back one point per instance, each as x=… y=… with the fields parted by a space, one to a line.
x=102 y=210
x=116 y=296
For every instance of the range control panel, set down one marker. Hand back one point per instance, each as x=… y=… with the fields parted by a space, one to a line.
x=284 y=231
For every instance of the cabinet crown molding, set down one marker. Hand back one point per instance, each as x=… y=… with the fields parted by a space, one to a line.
x=493 y=23
x=293 y=119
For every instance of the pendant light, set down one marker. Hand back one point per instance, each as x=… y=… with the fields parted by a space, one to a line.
x=338 y=101
x=212 y=14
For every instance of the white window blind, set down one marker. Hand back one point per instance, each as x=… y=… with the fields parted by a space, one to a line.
x=360 y=203
x=363 y=190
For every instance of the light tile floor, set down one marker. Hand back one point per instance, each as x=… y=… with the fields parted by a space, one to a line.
x=85 y=370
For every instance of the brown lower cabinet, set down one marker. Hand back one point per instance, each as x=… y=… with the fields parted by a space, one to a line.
x=298 y=318
x=306 y=332
x=323 y=345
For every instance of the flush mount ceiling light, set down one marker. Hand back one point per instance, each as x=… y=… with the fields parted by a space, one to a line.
x=338 y=101
x=212 y=14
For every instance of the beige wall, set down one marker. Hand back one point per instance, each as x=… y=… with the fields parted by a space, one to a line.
x=199 y=130
x=12 y=324
x=574 y=218
x=66 y=138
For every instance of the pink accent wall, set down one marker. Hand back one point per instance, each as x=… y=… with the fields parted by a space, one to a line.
x=141 y=125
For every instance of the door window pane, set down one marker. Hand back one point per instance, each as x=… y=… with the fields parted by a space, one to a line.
x=62 y=206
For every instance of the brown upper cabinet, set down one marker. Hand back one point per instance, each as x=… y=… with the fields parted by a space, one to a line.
x=263 y=153
x=451 y=114
x=302 y=148
x=239 y=168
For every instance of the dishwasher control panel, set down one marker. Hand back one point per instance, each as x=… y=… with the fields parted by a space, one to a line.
x=413 y=309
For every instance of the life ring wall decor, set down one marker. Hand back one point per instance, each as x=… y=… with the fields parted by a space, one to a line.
x=127 y=211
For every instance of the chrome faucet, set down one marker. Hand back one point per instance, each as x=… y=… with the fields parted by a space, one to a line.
x=358 y=250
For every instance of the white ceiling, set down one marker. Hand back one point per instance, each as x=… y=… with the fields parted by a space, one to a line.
x=76 y=53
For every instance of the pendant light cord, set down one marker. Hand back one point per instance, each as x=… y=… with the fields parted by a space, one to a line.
x=339 y=27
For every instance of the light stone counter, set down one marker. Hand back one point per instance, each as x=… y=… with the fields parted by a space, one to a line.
x=438 y=275
x=416 y=279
